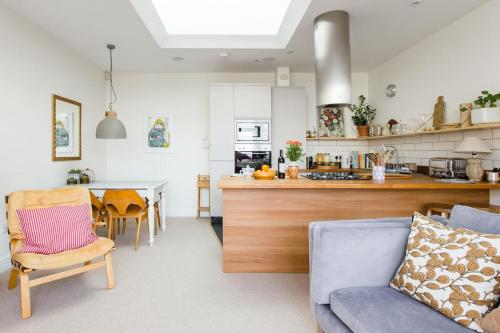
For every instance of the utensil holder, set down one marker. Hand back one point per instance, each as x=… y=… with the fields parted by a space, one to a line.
x=378 y=173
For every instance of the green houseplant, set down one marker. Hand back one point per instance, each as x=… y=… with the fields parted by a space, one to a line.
x=488 y=110
x=362 y=115
x=294 y=153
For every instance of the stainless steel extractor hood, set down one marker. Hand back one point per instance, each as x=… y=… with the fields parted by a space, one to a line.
x=332 y=54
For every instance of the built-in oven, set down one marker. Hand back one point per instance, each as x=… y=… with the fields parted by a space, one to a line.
x=253 y=155
x=249 y=131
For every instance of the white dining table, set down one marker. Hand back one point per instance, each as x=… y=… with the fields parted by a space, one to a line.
x=152 y=190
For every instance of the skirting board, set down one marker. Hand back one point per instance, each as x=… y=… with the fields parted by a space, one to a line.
x=5 y=263
x=181 y=212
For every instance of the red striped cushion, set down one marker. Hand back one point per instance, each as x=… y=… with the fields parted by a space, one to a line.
x=56 y=229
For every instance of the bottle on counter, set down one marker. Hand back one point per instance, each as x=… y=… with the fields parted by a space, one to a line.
x=281 y=166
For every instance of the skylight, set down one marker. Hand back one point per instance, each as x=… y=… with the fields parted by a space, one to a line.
x=221 y=17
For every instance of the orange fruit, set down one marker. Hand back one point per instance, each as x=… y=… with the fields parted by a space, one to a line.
x=265 y=168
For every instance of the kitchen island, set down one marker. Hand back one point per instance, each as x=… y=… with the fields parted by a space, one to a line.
x=265 y=222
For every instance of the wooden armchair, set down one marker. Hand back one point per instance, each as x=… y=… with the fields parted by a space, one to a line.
x=24 y=263
x=123 y=204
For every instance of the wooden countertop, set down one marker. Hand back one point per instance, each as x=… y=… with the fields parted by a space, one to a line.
x=416 y=182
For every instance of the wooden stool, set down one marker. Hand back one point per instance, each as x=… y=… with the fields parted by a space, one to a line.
x=445 y=209
x=203 y=182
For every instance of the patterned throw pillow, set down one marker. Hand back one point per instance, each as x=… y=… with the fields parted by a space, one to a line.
x=455 y=271
x=56 y=229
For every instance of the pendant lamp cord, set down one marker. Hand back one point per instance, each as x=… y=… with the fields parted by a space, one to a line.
x=112 y=94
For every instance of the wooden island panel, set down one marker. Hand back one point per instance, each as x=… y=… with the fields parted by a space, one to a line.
x=266 y=229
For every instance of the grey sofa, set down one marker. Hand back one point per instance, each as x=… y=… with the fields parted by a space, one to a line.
x=351 y=264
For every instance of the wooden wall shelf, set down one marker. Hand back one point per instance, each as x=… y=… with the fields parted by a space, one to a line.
x=443 y=131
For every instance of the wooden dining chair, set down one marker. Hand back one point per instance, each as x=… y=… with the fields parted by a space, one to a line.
x=99 y=212
x=123 y=204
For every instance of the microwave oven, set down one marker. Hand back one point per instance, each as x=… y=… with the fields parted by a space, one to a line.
x=252 y=131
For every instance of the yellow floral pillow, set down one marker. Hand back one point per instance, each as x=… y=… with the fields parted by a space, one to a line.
x=455 y=271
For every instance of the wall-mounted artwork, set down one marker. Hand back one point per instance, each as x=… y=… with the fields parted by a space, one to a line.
x=158 y=133
x=66 y=129
x=331 y=122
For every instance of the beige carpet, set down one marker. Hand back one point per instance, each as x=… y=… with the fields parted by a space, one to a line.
x=175 y=286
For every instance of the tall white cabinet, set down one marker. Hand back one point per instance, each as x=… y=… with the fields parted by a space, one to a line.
x=252 y=101
x=288 y=118
x=227 y=102
x=221 y=127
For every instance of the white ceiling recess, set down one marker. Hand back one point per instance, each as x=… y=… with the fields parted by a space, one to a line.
x=379 y=30
x=221 y=24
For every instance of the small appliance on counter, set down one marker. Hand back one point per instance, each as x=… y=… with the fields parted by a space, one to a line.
x=493 y=176
x=443 y=167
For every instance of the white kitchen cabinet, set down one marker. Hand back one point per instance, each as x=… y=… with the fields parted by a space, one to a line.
x=221 y=122
x=252 y=101
x=218 y=169
x=289 y=118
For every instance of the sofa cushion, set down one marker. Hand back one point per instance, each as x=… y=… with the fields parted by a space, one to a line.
x=50 y=230
x=328 y=321
x=474 y=219
x=453 y=270
x=386 y=310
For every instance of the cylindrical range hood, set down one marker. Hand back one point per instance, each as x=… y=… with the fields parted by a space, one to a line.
x=332 y=53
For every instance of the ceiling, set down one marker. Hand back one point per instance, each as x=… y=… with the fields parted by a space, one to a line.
x=379 y=30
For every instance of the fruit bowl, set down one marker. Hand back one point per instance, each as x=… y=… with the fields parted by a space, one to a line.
x=265 y=174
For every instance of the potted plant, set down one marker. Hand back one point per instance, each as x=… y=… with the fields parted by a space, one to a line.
x=294 y=153
x=362 y=115
x=465 y=115
x=488 y=111
x=73 y=176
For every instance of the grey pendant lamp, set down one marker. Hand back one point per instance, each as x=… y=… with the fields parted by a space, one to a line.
x=111 y=127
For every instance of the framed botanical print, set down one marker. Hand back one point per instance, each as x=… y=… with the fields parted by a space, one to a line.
x=66 y=129
x=158 y=130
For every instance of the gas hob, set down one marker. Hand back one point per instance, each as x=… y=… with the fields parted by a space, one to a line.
x=336 y=176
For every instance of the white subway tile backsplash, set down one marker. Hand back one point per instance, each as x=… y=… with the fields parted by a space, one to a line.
x=487 y=164
x=418 y=154
x=482 y=134
x=406 y=146
x=430 y=138
x=416 y=149
x=436 y=153
x=424 y=146
x=493 y=144
x=457 y=136
x=443 y=146
x=396 y=141
x=412 y=139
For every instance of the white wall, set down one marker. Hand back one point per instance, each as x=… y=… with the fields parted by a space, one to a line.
x=457 y=62
x=34 y=66
x=185 y=97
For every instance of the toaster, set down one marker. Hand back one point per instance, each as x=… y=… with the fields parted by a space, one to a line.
x=443 y=167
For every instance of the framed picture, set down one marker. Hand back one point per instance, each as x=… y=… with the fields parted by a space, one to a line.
x=66 y=129
x=158 y=130
x=331 y=122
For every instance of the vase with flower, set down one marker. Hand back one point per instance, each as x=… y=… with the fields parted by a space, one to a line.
x=294 y=154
